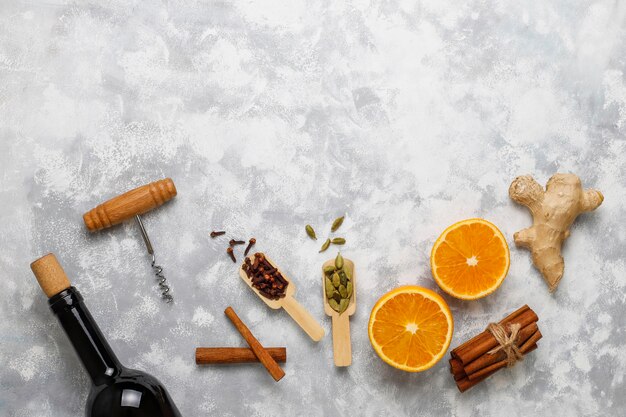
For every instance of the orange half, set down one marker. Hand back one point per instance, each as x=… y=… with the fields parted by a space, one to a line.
x=410 y=328
x=470 y=259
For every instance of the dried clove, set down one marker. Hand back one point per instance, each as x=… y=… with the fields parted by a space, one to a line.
x=234 y=242
x=230 y=253
x=216 y=234
x=264 y=277
x=250 y=244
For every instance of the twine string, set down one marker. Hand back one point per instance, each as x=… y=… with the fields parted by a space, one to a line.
x=507 y=343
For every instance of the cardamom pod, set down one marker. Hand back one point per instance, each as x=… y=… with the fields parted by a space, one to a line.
x=329 y=269
x=343 y=305
x=336 y=280
x=328 y=287
x=343 y=291
x=333 y=304
x=325 y=246
x=310 y=231
x=343 y=279
x=339 y=261
x=349 y=289
x=337 y=224
x=348 y=272
x=338 y=241
x=337 y=297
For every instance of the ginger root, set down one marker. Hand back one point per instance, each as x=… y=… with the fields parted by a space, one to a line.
x=553 y=210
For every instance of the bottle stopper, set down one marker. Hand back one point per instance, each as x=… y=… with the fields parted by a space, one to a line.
x=50 y=275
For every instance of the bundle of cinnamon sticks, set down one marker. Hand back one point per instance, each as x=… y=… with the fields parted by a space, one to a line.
x=483 y=355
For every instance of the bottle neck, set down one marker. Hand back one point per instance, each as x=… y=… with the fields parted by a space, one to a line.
x=95 y=353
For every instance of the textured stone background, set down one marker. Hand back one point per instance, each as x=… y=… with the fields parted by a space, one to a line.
x=269 y=115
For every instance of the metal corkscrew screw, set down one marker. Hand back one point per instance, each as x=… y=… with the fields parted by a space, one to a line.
x=132 y=204
x=158 y=269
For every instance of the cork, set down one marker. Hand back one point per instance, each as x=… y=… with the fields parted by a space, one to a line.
x=50 y=275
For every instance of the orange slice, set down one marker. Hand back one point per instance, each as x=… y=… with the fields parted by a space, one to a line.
x=470 y=259
x=410 y=328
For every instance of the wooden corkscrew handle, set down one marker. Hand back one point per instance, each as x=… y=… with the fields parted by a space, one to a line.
x=133 y=202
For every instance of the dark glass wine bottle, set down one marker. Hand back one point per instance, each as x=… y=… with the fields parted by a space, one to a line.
x=116 y=390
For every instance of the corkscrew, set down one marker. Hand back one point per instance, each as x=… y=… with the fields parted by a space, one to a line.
x=158 y=269
x=132 y=204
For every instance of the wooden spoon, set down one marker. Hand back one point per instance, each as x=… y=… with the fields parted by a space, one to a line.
x=342 y=348
x=289 y=303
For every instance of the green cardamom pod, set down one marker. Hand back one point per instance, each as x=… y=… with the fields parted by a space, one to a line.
x=325 y=246
x=328 y=287
x=349 y=289
x=329 y=269
x=339 y=261
x=343 y=291
x=337 y=224
x=342 y=277
x=338 y=241
x=336 y=280
x=333 y=304
x=343 y=305
x=310 y=232
x=347 y=271
x=337 y=297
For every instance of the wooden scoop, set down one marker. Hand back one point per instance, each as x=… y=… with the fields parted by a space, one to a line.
x=342 y=348
x=289 y=303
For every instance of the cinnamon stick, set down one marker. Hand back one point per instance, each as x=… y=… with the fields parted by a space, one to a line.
x=485 y=341
x=456 y=368
x=471 y=362
x=487 y=359
x=226 y=355
x=464 y=384
x=531 y=344
x=504 y=321
x=259 y=351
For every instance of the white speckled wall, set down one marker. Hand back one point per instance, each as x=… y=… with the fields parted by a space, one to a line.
x=269 y=115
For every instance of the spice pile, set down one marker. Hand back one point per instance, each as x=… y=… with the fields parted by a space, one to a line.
x=265 y=277
x=338 y=285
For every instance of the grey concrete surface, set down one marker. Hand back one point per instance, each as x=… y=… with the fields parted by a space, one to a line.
x=407 y=116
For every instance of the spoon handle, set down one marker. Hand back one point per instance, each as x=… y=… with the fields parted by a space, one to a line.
x=342 y=348
x=303 y=318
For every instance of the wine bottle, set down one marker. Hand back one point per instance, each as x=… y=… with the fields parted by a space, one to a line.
x=116 y=391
